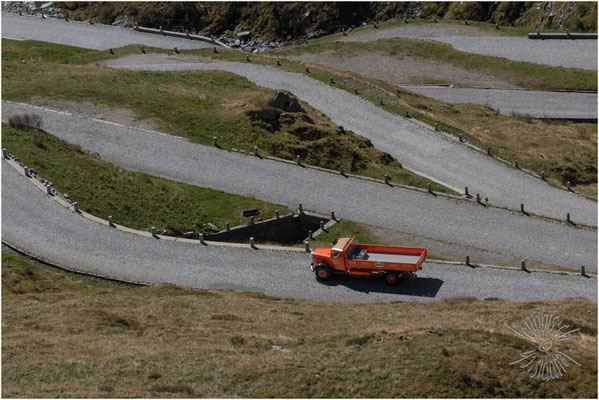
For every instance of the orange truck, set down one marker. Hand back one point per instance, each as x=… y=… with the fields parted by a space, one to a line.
x=350 y=258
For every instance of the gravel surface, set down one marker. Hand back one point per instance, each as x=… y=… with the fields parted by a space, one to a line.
x=81 y=34
x=359 y=200
x=60 y=236
x=563 y=53
x=536 y=104
x=417 y=147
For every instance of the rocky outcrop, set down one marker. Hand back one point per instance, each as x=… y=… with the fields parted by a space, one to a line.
x=285 y=102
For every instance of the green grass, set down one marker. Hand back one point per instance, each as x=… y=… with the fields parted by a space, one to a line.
x=133 y=199
x=343 y=229
x=473 y=25
x=198 y=105
x=568 y=156
x=168 y=341
x=523 y=74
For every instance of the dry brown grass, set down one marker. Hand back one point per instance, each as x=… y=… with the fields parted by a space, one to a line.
x=67 y=336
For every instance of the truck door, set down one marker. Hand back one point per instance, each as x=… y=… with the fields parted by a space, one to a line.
x=337 y=259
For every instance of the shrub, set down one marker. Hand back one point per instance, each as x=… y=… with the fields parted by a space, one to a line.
x=23 y=121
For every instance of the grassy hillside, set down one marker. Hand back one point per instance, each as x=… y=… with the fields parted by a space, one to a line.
x=564 y=151
x=68 y=336
x=133 y=199
x=198 y=105
x=523 y=74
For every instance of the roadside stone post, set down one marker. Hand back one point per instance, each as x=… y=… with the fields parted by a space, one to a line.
x=429 y=188
x=543 y=175
x=4 y=153
x=381 y=102
x=468 y=261
x=516 y=164
x=333 y=216
x=488 y=150
x=300 y=210
x=436 y=126
x=310 y=235
x=582 y=271
x=522 y=208
x=214 y=49
x=307 y=70
x=153 y=230
x=214 y=141
x=247 y=58
x=298 y=160
x=332 y=80
x=256 y=151
x=49 y=190
x=386 y=179
x=253 y=244
x=523 y=265
x=466 y=192
x=407 y=114
x=76 y=207
x=277 y=214
x=322 y=228
x=176 y=50
x=110 y=223
x=26 y=170
x=201 y=237
x=252 y=221
x=227 y=227
x=278 y=63
x=460 y=138
x=568 y=218
x=478 y=197
x=355 y=90
x=307 y=244
x=569 y=186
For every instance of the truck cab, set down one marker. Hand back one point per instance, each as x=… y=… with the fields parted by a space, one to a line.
x=350 y=258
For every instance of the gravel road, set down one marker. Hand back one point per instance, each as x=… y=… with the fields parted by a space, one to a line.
x=536 y=104
x=417 y=147
x=363 y=201
x=81 y=34
x=562 y=53
x=60 y=236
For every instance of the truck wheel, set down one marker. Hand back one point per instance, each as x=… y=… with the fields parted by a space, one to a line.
x=391 y=278
x=322 y=272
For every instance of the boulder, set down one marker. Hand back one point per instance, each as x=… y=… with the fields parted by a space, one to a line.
x=284 y=102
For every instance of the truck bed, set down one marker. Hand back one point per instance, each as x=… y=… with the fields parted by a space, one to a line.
x=393 y=258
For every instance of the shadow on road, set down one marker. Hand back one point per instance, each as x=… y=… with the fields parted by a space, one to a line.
x=407 y=286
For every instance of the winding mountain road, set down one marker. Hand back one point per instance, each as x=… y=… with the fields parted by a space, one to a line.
x=560 y=53
x=418 y=147
x=58 y=235
x=530 y=103
x=404 y=210
x=34 y=223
